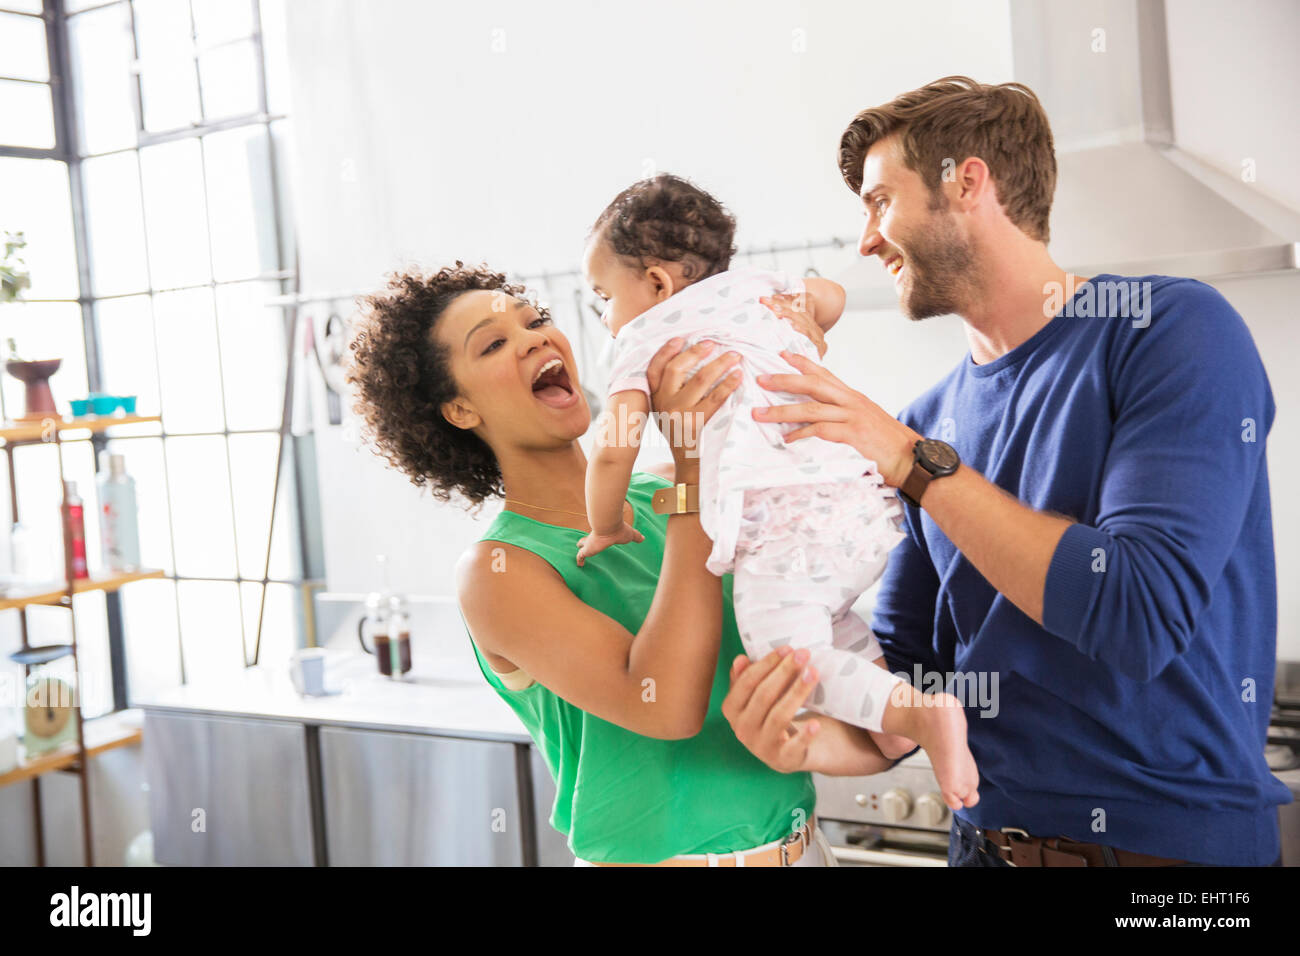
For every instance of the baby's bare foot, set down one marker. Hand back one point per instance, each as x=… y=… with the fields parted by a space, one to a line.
x=943 y=735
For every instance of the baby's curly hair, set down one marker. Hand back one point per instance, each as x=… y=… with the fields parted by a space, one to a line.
x=402 y=378
x=669 y=219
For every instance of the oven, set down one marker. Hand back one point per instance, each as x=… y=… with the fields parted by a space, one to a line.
x=893 y=818
x=897 y=818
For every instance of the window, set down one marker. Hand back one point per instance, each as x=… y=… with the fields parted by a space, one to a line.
x=140 y=152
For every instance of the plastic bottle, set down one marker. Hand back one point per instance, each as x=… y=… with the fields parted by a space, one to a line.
x=118 y=517
x=74 y=526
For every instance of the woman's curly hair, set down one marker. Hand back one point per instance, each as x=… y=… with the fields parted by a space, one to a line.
x=669 y=219
x=402 y=378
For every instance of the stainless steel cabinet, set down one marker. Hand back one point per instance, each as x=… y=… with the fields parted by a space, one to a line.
x=552 y=846
x=227 y=792
x=413 y=800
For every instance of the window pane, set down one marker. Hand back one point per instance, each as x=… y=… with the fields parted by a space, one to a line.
x=45 y=330
x=216 y=21
x=32 y=6
x=241 y=213
x=280 y=132
x=36 y=476
x=153 y=651
x=279 y=623
x=200 y=495
x=252 y=465
x=275 y=56
x=36 y=201
x=210 y=631
x=174 y=214
x=229 y=80
x=22 y=48
x=115 y=224
x=168 y=81
x=93 y=664
x=252 y=354
x=187 y=360
x=102 y=55
x=28 y=115
x=127 y=357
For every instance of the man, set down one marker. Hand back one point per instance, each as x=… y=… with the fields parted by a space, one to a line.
x=1088 y=517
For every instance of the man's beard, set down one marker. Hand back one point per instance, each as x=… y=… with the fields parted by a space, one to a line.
x=942 y=268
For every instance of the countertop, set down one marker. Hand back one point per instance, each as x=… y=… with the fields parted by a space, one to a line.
x=444 y=694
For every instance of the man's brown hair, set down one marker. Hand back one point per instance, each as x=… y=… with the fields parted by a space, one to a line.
x=954 y=119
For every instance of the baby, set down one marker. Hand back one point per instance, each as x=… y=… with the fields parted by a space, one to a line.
x=804 y=527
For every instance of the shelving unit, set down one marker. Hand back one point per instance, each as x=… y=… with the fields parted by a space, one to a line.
x=96 y=735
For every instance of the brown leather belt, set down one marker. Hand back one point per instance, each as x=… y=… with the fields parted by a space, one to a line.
x=1015 y=846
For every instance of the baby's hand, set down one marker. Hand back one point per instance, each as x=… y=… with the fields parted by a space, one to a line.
x=596 y=543
x=796 y=310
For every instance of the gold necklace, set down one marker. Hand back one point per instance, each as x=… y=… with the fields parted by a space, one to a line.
x=580 y=514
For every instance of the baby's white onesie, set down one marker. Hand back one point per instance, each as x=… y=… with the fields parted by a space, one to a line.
x=805 y=526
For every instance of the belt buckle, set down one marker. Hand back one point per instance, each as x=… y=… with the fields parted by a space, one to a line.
x=1011 y=833
x=801 y=835
x=1008 y=832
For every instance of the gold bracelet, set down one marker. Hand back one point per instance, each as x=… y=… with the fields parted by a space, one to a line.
x=677 y=500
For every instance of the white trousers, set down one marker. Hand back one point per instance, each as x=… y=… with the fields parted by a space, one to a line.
x=817 y=613
x=818 y=853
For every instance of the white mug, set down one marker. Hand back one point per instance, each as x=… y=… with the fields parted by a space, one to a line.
x=307 y=671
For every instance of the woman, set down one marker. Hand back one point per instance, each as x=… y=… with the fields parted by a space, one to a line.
x=613 y=667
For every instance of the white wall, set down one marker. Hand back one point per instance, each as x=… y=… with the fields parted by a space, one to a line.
x=1235 y=79
x=423 y=135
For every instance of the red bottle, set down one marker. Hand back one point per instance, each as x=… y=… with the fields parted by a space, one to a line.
x=74 y=528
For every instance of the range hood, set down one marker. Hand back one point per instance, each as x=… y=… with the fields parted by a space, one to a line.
x=1128 y=200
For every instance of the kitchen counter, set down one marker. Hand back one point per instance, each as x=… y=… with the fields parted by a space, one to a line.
x=442 y=696
x=437 y=744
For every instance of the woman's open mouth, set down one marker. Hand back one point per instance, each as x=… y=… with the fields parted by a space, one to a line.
x=552 y=386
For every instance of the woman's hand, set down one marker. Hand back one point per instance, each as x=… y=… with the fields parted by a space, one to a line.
x=764 y=697
x=681 y=407
x=794 y=309
x=838 y=413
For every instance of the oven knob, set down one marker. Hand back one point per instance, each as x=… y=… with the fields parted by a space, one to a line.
x=896 y=804
x=932 y=810
x=861 y=799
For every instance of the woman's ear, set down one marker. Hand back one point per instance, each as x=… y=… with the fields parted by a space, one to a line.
x=663 y=282
x=460 y=414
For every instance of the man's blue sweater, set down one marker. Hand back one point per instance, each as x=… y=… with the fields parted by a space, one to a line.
x=1135 y=717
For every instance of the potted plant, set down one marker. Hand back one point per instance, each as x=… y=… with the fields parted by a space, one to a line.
x=14 y=278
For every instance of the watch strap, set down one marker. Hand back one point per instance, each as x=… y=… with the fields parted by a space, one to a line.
x=676 y=500
x=914 y=485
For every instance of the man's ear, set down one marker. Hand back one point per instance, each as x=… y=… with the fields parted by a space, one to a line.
x=663 y=282
x=461 y=414
x=970 y=181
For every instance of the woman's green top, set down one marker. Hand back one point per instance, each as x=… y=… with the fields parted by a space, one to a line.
x=622 y=797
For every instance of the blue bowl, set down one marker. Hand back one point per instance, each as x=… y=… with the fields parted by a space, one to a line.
x=80 y=406
x=128 y=403
x=103 y=404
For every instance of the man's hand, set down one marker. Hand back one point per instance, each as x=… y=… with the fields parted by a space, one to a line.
x=838 y=413
x=764 y=697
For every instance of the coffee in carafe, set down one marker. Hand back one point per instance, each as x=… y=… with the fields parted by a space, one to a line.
x=389 y=623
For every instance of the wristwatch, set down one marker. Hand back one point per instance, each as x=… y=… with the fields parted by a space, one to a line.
x=677 y=500
x=931 y=459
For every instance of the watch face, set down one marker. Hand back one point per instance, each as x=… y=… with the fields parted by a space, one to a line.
x=939 y=455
